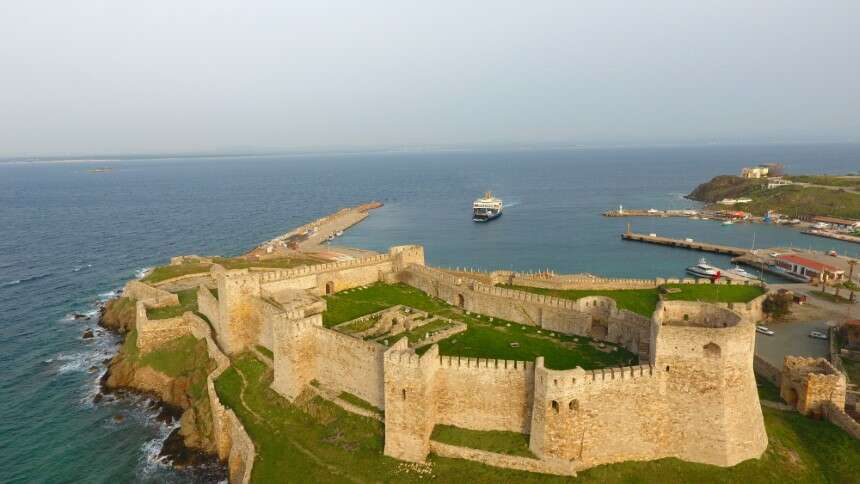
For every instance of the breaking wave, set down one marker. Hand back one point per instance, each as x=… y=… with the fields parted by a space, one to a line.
x=142 y=272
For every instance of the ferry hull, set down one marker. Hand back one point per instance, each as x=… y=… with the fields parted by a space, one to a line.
x=487 y=218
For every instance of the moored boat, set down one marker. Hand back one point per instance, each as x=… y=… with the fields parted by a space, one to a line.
x=703 y=269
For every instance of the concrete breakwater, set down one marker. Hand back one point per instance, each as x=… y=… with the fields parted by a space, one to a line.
x=686 y=244
x=311 y=235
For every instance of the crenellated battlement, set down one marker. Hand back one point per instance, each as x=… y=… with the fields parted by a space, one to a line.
x=268 y=276
x=464 y=363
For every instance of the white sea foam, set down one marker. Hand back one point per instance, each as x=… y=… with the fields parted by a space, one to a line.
x=78 y=268
x=142 y=272
x=107 y=296
x=151 y=460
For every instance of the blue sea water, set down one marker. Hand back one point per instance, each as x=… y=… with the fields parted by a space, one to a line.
x=68 y=238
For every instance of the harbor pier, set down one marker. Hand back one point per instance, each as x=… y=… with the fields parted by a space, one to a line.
x=686 y=244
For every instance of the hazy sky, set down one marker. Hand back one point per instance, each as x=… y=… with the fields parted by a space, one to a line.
x=90 y=76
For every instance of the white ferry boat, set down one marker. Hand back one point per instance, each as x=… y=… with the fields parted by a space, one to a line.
x=486 y=208
x=703 y=269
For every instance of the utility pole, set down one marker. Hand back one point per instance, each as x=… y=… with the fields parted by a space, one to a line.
x=851 y=264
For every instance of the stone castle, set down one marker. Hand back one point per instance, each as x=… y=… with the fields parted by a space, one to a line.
x=692 y=397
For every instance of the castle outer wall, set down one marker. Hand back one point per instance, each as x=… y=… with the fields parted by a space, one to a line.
x=695 y=398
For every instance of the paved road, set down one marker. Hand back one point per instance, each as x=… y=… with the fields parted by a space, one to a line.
x=829 y=187
x=791 y=339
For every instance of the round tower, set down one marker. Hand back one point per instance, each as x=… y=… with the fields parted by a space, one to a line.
x=706 y=355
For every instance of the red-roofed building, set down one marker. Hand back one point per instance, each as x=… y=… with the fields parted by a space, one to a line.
x=814 y=270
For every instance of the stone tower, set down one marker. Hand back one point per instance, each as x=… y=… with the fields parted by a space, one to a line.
x=705 y=353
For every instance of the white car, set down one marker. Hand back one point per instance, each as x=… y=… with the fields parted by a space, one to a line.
x=764 y=330
x=817 y=335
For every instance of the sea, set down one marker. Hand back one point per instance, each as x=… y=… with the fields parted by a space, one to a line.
x=70 y=238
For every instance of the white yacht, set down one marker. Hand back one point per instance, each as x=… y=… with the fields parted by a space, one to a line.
x=738 y=271
x=703 y=269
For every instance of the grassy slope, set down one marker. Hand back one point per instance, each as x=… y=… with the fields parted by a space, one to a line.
x=185 y=356
x=483 y=339
x=498 y=441
x=833 y=181
x=789 y=200
x=326 y=444
x=644 y=301
x=724 y=186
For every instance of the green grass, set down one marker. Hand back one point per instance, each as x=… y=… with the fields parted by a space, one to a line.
x=359 y=326
x=767 y=390
x=800 y=201
x=852 y=370
x=266 y=351
x=644 y=301
x=828 y=180
x=498 y=441
x=729 y=293
x=482 y=339
x=639 y=301
x=178 y=356
x=163 y=273
x=319 y=442
x=187 y=302
x=347 y=306
x=418 y=333
x=357 y=401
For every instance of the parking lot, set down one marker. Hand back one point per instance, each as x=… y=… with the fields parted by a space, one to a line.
x=791 y=339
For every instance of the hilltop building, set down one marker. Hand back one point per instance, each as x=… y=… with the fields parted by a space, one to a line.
x=763 y=171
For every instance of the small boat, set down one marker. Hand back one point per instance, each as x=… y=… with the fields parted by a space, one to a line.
x=728 y=222
x=703 y=269
x=338 y=233
x=738 y=271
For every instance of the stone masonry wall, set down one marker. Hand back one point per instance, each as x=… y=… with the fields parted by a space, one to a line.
x=157 y=298
x=809 y=383
x=207 y=305
x=600 y=417
x=555 y=314
x=483 y=394
x=350 y=364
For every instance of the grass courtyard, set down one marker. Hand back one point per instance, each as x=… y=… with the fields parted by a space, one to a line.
x=483 y=338
x=315 y=441
x=644 y=301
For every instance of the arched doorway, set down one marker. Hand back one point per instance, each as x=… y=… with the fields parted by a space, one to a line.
x=461 y=301
x=329 y=287
x=791 y=397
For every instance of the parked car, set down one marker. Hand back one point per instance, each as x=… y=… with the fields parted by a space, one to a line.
x=764 y=330
x=817 y=335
